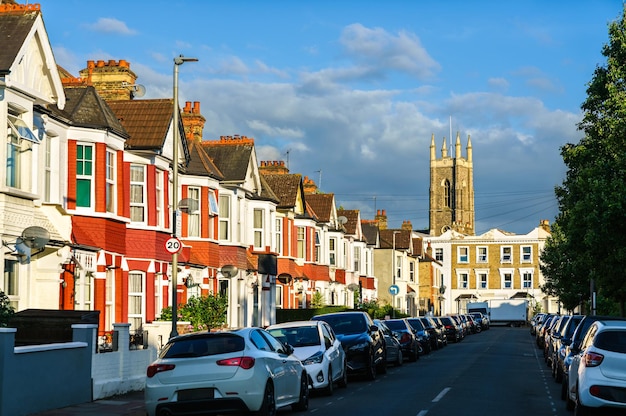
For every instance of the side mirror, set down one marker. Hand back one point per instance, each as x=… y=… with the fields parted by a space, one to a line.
x=373 y=328
x=288 y=349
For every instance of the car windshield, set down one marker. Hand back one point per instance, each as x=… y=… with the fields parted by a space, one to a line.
x=200 y=346
x=611 y=340
x=297 y=336
x=346 y=324
x=396 y=325
x=416 y=324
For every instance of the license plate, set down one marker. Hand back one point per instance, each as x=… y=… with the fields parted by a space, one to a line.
x=195 y=394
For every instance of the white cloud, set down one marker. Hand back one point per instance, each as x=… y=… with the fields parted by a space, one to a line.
x=110 y=25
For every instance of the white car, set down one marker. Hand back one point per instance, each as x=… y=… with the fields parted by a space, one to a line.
x=316 y=345
x=246 y=370
x=597 y=375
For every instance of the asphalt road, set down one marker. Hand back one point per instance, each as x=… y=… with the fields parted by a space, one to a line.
x=497 y=372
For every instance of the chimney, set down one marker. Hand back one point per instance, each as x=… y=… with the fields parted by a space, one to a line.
x=545 y=225
x=406 y=225
x=193 y=121
x=381 y=218
x=309 y=185
x=273 y=167
x=112 y=80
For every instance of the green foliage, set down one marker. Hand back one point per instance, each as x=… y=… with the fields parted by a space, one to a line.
x=6 y=310
x=203 y=313
x=590 y=239
x=317 y=300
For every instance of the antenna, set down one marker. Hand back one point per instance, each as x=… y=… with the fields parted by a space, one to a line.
x=287 y=154
x=450 y=133
x=319 y=184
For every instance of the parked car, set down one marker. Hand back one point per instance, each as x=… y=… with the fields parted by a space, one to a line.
x=451 y=328
x=541 y=330
x=551 y=338
x=392 y=345
x=563 y=339
x=460 y=324
x=535 y=322
x=362 y=341
x=481 y=320
x=223 y=372
x=423 y=336
x=435 y=335
x=597 y=375
x=441 y=328
x=315 y=344
x=573 y=348
x=403 y=331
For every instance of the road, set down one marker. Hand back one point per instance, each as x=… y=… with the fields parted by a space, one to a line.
x=496 y=372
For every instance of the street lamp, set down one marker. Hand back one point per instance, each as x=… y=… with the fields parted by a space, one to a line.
x=393 y=276
x=179 y=60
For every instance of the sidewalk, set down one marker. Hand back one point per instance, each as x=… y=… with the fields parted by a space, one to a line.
x=129 y=404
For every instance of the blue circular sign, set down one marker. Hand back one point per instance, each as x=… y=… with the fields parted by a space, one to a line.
x=394 y=289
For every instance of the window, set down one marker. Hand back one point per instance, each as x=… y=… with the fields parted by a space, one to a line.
x=223 y=287
x=357 y=258
x=527 y=280
x=11 y=268
x=17 y=136
x=110 y=181
x=367 y=269
x=439 y=254
x=109 y=305
x=193 y=217
x=481 y=254
x=279 y=235
x=345 y=254
x=224 y=202
x=158 y=189
x=135 y=300
x=411 y=271
x=482 y=280
x=398 y=267
x=257 y=225
x=137 y=193
x=213 y=207
x=301 y=242
x=447 y=194
x=318 y=247
x=463 y=254
x=84 y=175
x=527 y=254
x=279 y=296
x=505 y=254
x=47 y=170
x=332 y=251
x=463 y=281
x=508 y=280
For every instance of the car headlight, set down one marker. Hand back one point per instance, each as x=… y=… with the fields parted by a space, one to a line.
x=316 y=358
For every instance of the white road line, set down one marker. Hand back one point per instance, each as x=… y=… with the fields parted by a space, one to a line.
x=440 y=395
x=422 y=413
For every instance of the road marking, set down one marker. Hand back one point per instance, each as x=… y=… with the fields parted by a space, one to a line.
x=422 y=413
x=440 y=395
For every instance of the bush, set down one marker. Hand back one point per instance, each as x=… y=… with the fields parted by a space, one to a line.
x=203 y=313
x=6 y=310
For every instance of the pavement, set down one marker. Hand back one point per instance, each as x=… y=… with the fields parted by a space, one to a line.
x=129 y=404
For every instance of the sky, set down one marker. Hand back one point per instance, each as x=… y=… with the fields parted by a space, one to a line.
x=350 y=92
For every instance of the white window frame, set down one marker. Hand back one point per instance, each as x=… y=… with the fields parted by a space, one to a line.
x=439 y=253
x=506 y=254
x=411 y=271
x=47 y=169
x=138 y=203
x=527 y=277
x=224 y=217
x=111 y=181
x=278 y=223
x=526 y=254
x=463 y=254
x=480 y=273
x=194 y=221
x=136 y=298
x=356 y=258
x=109 y=300
x=158 y=188
x=258 y=227
x=86 y=177
x=332 y=251
x=398 y=266
x=301 y=242
x=463 y=279
x=503 y=274
x=482 y=254
x=318 y=247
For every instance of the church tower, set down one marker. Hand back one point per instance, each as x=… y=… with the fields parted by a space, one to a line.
x=451 y=189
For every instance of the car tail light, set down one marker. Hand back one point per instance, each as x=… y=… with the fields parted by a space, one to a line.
x=449 y=327
x=158 y=368
x=592 y=359
x=244 y=362
x=405 y=338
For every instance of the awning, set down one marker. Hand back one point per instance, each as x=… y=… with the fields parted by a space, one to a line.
x=465 y=296
x=522 y=295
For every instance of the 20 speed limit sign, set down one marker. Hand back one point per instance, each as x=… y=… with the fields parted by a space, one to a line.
x=173 y=245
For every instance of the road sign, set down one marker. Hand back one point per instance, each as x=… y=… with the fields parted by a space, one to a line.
x=394 y=290
x=173 y=245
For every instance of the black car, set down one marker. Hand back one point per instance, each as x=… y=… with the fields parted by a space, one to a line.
x=362 y=341
x=452 y=329
x=423 y=336
x=403 y=331
x=392 y=345
x=436 y=337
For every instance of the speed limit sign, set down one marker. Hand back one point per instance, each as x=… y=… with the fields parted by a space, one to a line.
x=173 y=245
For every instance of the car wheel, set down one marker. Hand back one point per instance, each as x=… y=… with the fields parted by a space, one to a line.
x=303 y=401
x=371 y=369
x=579 y=409
x=558 y=374
x=343 y=381
x=564 y=388
x=413 y=355
x=382 y=365
x=330 y=388
x=399 y=359
x=569 y=403
x=268 y=407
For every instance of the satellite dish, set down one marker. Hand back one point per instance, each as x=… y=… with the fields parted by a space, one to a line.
x=229 y=270
x=138 y=91
x=353 y=286
x=284 y=278
x=35 y=237
x=188 y=205
x=342 y=220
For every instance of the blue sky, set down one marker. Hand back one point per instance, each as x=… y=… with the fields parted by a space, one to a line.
x=349 y=93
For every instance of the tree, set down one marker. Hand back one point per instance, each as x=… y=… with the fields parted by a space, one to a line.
x=203 y=313
x=6 y=310
x=592 y=206
x=317 y=300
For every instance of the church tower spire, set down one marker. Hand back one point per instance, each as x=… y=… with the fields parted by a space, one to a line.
x=451 y=190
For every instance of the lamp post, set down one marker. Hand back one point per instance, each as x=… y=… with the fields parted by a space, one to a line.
x=179 y=60
x=393 y=276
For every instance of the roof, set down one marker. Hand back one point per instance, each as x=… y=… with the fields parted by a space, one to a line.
x=200 y=163
x=322 y=205
x=287 y=188
x=402 y=240
x=353 y=216
x=15 y=26
x=231 y=157
x=370 y=232
x=146 y=121
x=85 y=108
